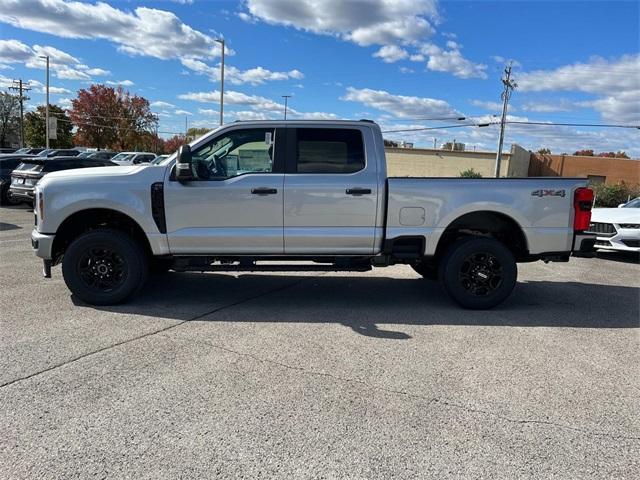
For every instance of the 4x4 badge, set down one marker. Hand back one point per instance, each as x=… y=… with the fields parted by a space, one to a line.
x=548 y=193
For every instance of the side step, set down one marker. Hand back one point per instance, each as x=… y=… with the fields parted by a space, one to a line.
x=186 y=266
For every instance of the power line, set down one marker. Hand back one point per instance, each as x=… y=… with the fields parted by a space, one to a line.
x=600 y=125
x=438 y=128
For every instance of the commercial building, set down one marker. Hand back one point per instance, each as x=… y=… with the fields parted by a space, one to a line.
x=610 y=171
x=427 y=162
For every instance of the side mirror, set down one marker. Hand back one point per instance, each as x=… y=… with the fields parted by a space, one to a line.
x=183 y=164
x=621 y=205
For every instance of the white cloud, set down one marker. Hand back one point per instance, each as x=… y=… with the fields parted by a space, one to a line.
x=452 y=61
x=548 y=107
x=375 y=22
x=182 y=112
x=616 y=82
x=621 y=108
x=598 y=76
x=143 y=31
x=235 y=76
x=63 y=65
x=406 y=70
x=489 y=105
x=401 y=106
x=161 y=104
x=391 y=53
x=418 y=57
x=124 y=83
x=208 y=111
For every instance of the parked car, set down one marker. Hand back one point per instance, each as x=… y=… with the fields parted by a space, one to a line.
x=69 y=152
x=159 y=159
x=133 y=158
x=7 y=150
x=8 y=163
x=102 y=155
x=30 y=171
x=315 y=191
x=30 y=151
x=617 y=228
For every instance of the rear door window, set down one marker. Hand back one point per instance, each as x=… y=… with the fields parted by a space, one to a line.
x=329 y=150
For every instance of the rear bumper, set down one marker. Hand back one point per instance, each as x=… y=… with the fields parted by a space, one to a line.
x=42 y=244
x=583 y=245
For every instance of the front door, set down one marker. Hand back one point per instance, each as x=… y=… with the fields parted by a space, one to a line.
x=331 y=192
x=234 y=205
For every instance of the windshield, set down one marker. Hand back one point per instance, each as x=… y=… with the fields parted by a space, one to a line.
x=23 y=150
x=30 y=167
x=123 y=156
x=635 y=203
x=159 y=159
x=45 y=152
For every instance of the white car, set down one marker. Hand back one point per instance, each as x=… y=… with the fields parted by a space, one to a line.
x=617 y=228
x=133 y=158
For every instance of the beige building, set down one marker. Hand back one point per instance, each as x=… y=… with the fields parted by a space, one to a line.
x=427 y=162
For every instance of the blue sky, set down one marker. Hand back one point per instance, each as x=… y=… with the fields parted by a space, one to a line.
x=394 y=61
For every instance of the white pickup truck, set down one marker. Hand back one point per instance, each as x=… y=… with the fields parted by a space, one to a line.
x=297 y=196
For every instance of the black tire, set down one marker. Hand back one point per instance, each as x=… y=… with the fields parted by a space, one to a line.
x=7 y=199
x=428 y=270
x=478 y=272
x=104 y=267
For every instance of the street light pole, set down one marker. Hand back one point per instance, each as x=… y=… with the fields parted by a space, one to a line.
x=46 y=118
x=286 y=98
x=221 y=42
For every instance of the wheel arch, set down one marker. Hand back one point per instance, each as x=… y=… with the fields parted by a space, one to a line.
x=489 y=223
x=86 y=220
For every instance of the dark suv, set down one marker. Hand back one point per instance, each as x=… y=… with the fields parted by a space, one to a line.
x=8 y=163
x=25 y=177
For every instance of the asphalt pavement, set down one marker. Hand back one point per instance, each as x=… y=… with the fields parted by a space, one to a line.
x=361 y=375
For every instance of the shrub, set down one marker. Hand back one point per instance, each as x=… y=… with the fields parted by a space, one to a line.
x=610 y=196
x=470 y=173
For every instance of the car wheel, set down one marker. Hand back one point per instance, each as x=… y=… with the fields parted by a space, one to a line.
x=428 y=270
x=104 y=267
x=478 y=272
x=7 y=199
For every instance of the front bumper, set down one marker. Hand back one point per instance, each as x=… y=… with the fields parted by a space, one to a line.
x=26 y=193
x=42 y=244
x=625 y=240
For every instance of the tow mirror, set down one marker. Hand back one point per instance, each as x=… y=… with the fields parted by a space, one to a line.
x=183 y=164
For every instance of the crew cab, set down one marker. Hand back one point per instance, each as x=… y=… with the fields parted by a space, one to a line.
x=312 y=195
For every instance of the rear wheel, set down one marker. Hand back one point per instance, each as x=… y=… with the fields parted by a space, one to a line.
x=478 y=273
x=104 y=267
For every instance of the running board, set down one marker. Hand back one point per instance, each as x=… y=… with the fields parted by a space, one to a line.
x=252 y=267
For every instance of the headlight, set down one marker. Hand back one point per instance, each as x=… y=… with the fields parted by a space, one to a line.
x=630 y=225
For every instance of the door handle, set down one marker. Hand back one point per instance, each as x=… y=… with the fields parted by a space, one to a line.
x=358 y=191
x=264 y=191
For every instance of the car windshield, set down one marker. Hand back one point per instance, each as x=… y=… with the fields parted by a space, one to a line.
x=84 y=154
x=159 y=159
x=122 y=156
x=45 y=152
x=635 y=203
x=30 y=167
x=23 y=150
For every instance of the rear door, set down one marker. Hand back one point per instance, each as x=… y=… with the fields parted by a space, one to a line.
x=331 y=192
x=234 y=205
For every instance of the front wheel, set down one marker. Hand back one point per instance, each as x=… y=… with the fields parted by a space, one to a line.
x=478 y=273
x=104 y=267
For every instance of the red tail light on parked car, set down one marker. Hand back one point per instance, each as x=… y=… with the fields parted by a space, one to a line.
x=582 y=203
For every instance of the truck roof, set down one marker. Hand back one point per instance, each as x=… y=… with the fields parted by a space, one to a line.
x=306 y=121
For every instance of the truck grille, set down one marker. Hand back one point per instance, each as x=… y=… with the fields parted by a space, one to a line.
x=602 y=229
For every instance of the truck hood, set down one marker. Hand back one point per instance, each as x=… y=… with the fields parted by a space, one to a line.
x=615 y=215
x=114 y=177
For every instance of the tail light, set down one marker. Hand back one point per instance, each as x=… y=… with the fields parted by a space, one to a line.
x=582 y=202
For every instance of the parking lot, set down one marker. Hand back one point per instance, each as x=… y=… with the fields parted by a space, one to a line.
x=362 y=375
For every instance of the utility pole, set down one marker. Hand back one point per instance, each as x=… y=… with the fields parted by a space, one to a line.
x=21 y=88
x=46 y=118
x=286 y=98
x=435 y=141
x=186 y=127
x=509 y=85
x=221 y=42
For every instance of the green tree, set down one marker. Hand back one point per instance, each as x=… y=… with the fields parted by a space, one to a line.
x=194 y=133
x=470 y=173
x=613 y=195
x=35 y=128
x=9 y=121
x=544 y=151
